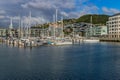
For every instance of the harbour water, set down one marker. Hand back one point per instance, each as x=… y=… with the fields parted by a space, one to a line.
x=86 y=61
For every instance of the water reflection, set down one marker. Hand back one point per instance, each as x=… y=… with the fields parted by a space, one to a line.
x=86 y=61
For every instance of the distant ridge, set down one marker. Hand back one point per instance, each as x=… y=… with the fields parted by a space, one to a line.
x=96 y=19
x=116 y=14
x=99 y=19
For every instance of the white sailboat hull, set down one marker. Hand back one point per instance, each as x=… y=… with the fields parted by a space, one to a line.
x=63 y=43
x=91 y=40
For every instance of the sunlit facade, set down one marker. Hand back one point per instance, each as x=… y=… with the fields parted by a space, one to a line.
x=114 y=26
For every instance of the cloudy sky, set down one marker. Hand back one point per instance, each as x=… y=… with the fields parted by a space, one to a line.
x=43 y=10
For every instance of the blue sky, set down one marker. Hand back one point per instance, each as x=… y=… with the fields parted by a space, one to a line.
x=107 y=3
x=108 y=7
x=43 y=10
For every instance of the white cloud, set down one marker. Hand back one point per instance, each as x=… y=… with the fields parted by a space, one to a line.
x=2 y=11
x=110 y=10
x=64 y=14
x=89 y=9
x=48 y=4
x=16 y=17
x=11 y=1
x=43 y=10
x=2 y=17
x=46 y=8
x=38 y=20
x=84 y=10
x=33 y=20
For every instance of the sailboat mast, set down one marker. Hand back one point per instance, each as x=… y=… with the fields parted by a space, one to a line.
x=91 y=19
x=62 y=27
x=11 y=23
x=53 y=26
x=19 y=27
x=11 y=27
x=56 y=17
x=56 y=22
x=91 y=25
x=29 y=23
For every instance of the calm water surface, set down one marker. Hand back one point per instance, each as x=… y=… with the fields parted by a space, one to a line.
x=87 y=61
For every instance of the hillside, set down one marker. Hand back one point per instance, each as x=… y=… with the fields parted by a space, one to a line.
x=96 y=19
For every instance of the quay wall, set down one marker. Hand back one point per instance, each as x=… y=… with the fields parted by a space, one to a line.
x=109 y=40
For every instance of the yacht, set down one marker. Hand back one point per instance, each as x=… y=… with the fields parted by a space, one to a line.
x=63 y=42
x=91 y=40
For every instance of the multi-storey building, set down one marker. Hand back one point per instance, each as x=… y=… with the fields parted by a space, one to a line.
x=56 y=29
x=79 y=28
x=88 y=30
x=2 y=32
x=99 y=31
x=104 y=31
x=94 y=31
x=114 y=26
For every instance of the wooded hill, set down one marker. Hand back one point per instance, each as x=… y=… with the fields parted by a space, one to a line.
x=94 y=18
x=100 y=19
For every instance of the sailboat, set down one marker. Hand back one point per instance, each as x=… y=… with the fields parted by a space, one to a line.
x=91 y=40
x=62 y=40
x=58 y=39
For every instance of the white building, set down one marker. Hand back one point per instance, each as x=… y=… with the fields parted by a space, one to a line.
x=97 y=31
x=114 y=26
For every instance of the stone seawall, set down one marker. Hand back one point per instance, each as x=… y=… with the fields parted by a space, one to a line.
x=109 y=40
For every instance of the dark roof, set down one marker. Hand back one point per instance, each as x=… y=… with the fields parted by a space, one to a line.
x=115 y=14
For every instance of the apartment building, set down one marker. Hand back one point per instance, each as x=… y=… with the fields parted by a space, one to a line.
x=113 y=25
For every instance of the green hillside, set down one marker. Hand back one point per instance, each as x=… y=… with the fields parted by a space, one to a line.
x=96 y=19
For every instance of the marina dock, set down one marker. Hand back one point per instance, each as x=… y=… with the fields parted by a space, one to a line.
x=40 y=42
